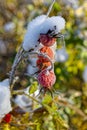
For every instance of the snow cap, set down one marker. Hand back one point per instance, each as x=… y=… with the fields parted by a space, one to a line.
x=39 y=25
x=56 y=23
x=5 y=104
x=32 y=34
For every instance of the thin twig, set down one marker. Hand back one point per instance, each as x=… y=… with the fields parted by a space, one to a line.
x=20 y=92
x=23 y=125
x=15 y=64
x=14 y=81
x=33 y=98
x=50 y=8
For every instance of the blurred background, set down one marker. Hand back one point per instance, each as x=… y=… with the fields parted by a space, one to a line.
x=72 y=72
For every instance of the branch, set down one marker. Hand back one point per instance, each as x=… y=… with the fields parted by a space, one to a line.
x=20 y=92
x=16 y=62
x=23 y=125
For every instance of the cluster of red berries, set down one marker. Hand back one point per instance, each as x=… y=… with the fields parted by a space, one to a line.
x=46 y=77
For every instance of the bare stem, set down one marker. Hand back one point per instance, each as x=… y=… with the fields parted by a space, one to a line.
x=50 y=8
x=24 y=125
x=17 y=92
x=13 y=83
x=20 y=92
x=17 y=60
x=33 y=98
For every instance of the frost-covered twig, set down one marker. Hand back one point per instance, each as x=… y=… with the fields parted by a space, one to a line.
x=22 y=55
x=50 y=8
x=16 y=62
x=13 y=82
x=19 y=92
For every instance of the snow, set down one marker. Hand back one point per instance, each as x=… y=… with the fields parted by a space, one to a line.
x=8 y=27
x=5 y=104
x=39 y=25
x=24 y=101
x=32 y=34
x=85 y=75
x=33 y=61
x=61 y=55
x=51 y=23
x=31 y=70
x=73 y=3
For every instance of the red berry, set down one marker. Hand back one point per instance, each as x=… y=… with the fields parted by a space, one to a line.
x=7 y=118
x=48 y=51
x=46 y=40
x=46 y=78
x=43 y=63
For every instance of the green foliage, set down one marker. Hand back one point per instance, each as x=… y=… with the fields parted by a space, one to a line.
x=47 y=99
x=33 y=87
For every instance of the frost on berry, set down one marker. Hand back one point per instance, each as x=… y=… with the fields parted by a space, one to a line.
x=46 y=78
x=43 y=63
x=48 y=51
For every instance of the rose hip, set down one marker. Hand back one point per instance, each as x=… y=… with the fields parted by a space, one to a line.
x=46 y=40
x=46 y=78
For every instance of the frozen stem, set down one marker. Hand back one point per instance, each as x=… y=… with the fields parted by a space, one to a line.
x=13 y=83
x=24 y=125
x=21 y=92
x=16 y=62
x=50 y=8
